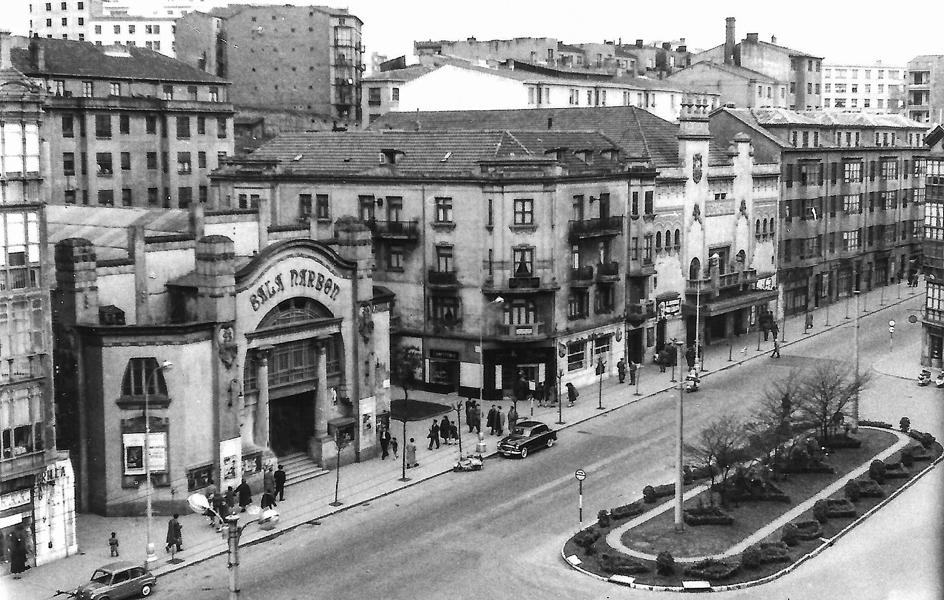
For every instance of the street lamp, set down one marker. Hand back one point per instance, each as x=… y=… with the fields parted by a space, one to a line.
x=149 y=546
x=679 y=480
x=560 y=401
x=601 y=369
x=498 y=300
x=267 y=520
x=855 y=398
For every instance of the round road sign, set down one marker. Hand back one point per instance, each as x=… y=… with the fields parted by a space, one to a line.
x=912 y=319
x=891 y=323
x=580 y=474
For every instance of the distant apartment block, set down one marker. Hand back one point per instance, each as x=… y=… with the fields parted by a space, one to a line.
x=925 y=85
x=872 y=88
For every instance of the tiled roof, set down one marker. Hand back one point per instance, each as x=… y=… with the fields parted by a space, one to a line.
x=562 y=47
x=733 y=69
x=790 y=51
x=454 y=152
x=107 y=228
x=407 y=74
x=85 y=59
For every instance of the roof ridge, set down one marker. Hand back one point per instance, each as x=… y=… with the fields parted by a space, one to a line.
x=642 y=133
x=517 y=141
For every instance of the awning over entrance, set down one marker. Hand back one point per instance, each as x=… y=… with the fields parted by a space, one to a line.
x=720 y=306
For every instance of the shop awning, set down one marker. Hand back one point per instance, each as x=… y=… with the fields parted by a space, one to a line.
x=720 y=306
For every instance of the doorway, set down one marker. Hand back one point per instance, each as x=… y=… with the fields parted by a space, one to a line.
x=291 y=423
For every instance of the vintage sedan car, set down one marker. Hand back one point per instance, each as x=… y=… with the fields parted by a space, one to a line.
x=527 y=436
x=116 y=581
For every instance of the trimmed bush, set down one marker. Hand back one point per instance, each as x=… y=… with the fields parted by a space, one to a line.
x=895 y=470
x=807 y=530
x=665 y=564
x=925 y=439
x=907 y=458
x=586 y=538
x=839 y=508
x=650 y=494
x=879 y=424
x=627 y=510
x=869 y=488
x=751 y=557
x=821 y=511
x=904 y=424
x=920 y=453
x=877 y=471
x=771 y=552
x=617 y=564
x=788 y=535
x=711 y=569
x=852 y=490
x=603 y=519
x=707 y=515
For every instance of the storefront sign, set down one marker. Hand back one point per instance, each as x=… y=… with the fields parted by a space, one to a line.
x=51 y=474
x=768 y=283
x=295 y=278
x=668 y=308
x=14 y=499
x=134 y=452
x=444 y=354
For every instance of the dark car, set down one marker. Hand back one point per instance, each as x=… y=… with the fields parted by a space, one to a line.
x=116 y=581
x=527 y=436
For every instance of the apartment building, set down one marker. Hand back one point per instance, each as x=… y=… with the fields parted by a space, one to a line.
x=735 y=85
x=36 y=479
x=801 y=71
x=870 y=88
x=290 y=58
x=693 y=263
x=924 y=102
x=851 y=197
x=382 y=90
x=127 y=126
x=932 y=347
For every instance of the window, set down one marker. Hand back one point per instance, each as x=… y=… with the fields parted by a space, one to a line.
x=68 y=164
x=578 y=304
x=192 y=92
x=648 y=202
x=850 y=240
x=221 y=127
x=103 y=164
x=445 y=310
x=395 y=258
x=152 y=197
x=444 y=210
x=68 y=126
x=890 y=169
x=103 y=127
x=634 y=207
x=575 y=355
x=142 y=372
x=827 y=87
x=117 y=28
x=106 y=197
x=852 y=203
x=201 y=125
x=524 y=211
x=150 y=124
x=523 y=261
x=634 y=249
x=126 y=199
x=184 y=197
x=395 y=94
x=152 y=160
x=647 y=257
x=851 y=172
x=321 y=207
x=125 y=158
x=304 y=205
x=168 y=92
x=183 y=128
x=183 y=163
x=124 y=124
x=444 y=259
x=88 y=89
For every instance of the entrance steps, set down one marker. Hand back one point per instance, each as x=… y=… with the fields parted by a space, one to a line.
x=299 y=467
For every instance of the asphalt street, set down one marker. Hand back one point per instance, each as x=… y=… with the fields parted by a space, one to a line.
x=497 y=533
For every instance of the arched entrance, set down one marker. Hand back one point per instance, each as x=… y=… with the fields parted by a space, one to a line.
x=285 y=350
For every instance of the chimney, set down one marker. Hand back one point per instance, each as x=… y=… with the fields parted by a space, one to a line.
x=37 y=54
x=666 y=45
x=681 y=41
x=682 y=49
x=729 y=41
x=773 y=39
x=5 y=43
x=639 y=43
x=753 y=38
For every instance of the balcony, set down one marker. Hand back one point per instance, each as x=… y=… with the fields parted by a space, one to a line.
x=593 y=228
x=638 y=312
x=608 y=271
x=446 y=324
x=726 y=281
x=581 y=276
x=642 y=267
x=395 y=230
x=442 y=279
x=521 y=331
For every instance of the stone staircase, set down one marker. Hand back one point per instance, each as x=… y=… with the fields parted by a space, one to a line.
x=299 y=467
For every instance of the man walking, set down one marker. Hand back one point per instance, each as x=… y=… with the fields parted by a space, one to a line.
x=500 y=421
x=776 y=352
x=512 y=418
x=244 y=494
x=490 y=420
x=621 y=370
x=632 y=372
x=384 y=443
x=174 y=538
x=433 y=435
x=280 y=483
x=475 y=418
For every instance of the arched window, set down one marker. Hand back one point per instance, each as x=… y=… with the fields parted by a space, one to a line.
x=757 y=227
x=668 y=239
x=678 y=239
x=694 y=270
x=658 y=241
x=765 y=227
x=771 y=228
x=140 y=372
x=295 y=310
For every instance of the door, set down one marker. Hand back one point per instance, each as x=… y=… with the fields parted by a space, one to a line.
x=291 y=423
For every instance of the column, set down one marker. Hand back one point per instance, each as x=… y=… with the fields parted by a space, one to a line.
x=321 y=389
x=261 y=429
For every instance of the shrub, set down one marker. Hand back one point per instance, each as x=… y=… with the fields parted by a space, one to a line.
x=896 y=470
x=820 y=511
x=774 y=552
x=907 y=458
x=585 y=540
x=627 y=510
x=852 y=490
x=711 y=569
x=868 y=488
x=665 y=564
x=926 y=439
x=707 y=515
x=751 y=557
x=880 y=424
x=904 y=424
x=840 y=508
x=877 y=471
x=807 y=530
x=618 y=564
x=603 y=518
x=649 y=494
x=788 y=535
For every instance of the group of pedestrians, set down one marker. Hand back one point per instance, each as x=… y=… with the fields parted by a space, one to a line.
x=388 y=444
x=446 y=431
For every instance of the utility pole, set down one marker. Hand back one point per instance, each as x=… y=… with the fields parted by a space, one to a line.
x=855 y=398
x=679 y=481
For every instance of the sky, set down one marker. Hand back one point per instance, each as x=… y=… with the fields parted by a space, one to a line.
x=841 y=31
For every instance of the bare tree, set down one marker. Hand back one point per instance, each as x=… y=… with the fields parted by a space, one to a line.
x=719 y=446
x=777 y=416
x=826 y=390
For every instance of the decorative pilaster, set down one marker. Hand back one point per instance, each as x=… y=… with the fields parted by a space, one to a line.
x=321 y=389
x=261 y=432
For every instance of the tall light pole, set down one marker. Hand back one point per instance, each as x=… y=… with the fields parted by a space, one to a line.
x=679 y=480
x=698 y=358
x=498 y=300
x=149 y=546
x=855 y=398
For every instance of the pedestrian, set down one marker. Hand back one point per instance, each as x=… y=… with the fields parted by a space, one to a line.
x=774 y=329
x=690 y=357
x=384 y=443
x=433 y=435
x=280 y=483
x=633 y=367
x=268 y=500
x=444 y=429
x=174 y=537
x=500 y=421
x=243 y=495
x=660 y=360
x=776 y=352
x=219 y=505
x=410 y=453
x=512 y=418
x=621 y=370
x=540 y=393
x=454 y=431
x=18 y=552
x=209 y=512
x=490 y=420
x=469 y=405
x=394 y=446
x=113 y=543
x=572 y=394
x=230 y=497
x=475 y=419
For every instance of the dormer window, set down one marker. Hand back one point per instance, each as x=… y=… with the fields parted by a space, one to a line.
x=556 y=153
x=391 y=157
x=610 y=154
x=585 y=155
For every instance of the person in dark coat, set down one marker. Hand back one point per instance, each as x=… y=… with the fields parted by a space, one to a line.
x=174 y=535
x=444 y=429
x=621 y=370
x=268 y=500
x=433 y=435
x=633 y=367
x=279 y=477
x=230 y=497
x=572 y=394
x=512 y=418
x=244 y=494
x=690 y=357
x=469 y=405
x=384 y=443
x=18 y=549
x=475 y=419
x=660 y=360
x=268 y=478
x=500 y=421
x=490 y=420
x=454 y=432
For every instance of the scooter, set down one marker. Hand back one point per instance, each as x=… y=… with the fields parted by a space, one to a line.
x=925 y=377
x=940 y=380
x=692 y=381
x=472 y=462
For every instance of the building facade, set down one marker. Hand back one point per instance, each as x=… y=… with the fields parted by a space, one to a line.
x=932 y=348
x=36 y=479
x=127 y=126
x=734 y=85
x=800 y=70
x=851 y=198
x=870 y=88
x=278 y=345
x=924 y=102
x=382 y=91
x=296 y=58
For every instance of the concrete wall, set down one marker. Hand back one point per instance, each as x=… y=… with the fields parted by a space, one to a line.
x=452 y=88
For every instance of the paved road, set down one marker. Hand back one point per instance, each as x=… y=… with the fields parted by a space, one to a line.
x=497 y=533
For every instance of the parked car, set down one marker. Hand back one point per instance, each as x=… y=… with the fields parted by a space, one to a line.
x=527 y=436
x=116 y=581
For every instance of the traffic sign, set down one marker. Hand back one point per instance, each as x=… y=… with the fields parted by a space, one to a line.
x=580 y=474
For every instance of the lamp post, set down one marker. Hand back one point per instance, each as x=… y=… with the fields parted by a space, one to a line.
x=601 y=369
x=340 y=442
x=855 y=398
x=497 y=300
x=679 y=480
x=149 y=546
x=459 y=425
x=699 y=364
x=560 y=401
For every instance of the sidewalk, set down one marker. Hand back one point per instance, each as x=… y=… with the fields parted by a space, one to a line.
x=374 y=478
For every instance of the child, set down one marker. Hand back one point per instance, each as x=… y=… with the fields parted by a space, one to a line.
x=394 y=445
x=113 y=543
